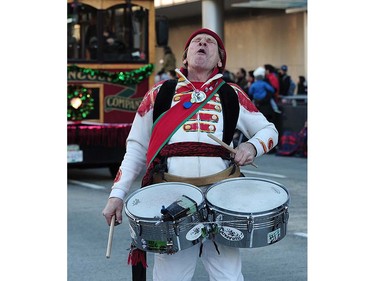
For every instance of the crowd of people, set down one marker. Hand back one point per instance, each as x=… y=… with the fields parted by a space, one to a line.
x=268 y=75
x=266 y=86
x=278 y=78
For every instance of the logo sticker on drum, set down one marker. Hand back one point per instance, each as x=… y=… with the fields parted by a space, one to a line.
x=195 y=232
x=135 y=202
x=231 y=234
x=273 y=236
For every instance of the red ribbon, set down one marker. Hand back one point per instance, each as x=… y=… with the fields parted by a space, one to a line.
x=172 y=119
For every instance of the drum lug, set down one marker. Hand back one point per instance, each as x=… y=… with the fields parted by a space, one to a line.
x=203 y=214
x=176 y=229
x=250 y=224
x=169 y=247
x=286 y=215
x=139 y=227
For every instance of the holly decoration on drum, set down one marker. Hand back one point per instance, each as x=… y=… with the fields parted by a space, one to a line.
x=80 y=102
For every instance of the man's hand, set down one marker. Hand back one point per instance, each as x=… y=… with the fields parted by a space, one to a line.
x=113 y=208
x=245 y=154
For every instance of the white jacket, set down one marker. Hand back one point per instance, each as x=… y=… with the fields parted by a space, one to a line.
x=261 y=133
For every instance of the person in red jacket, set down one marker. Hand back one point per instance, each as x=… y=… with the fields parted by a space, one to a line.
x=271 y=77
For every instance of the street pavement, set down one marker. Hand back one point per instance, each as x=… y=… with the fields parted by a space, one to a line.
x=88 y=190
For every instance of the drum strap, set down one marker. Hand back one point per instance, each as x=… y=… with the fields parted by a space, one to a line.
x=231 y=172
x=158 y=166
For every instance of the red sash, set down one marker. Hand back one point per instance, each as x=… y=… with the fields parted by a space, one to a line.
x=171 y=120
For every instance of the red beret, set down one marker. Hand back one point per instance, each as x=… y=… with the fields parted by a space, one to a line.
x=214 y=35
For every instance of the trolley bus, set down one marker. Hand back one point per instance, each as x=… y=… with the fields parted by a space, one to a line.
x=110 y=64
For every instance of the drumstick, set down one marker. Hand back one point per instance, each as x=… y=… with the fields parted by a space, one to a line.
x=110 y=236
x=231 y=149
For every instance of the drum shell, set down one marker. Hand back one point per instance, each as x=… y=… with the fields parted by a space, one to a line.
x=154 y=235
x=252 y=229
x=166 y=237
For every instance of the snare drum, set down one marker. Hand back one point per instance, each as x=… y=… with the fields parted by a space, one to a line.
x=149 y=232
x=248 y=212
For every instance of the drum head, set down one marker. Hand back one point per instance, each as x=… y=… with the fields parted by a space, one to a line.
x=148 y=201
x=247 y=195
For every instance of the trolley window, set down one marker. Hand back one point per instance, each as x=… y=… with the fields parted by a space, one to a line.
x=118 y=34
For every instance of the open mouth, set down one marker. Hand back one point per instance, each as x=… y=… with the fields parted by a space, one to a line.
x=201 y=51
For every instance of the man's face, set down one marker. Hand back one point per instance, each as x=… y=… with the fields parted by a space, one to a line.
x=203 y=52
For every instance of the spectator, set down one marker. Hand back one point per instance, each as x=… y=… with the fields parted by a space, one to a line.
x=287 y=86
x=238 y=136
x=268 y=105
x=168 y=64
x=302 y=86
x=261 y=92
x=240 y=79
x=250 y=79
x=271 y=77
x=91 y=39
x=110 y=44
x=169 y=60
x=228 y=76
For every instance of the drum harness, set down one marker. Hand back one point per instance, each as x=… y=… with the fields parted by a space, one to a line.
x=157 y=171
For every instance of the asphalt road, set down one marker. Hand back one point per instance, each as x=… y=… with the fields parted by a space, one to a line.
x=88 y=190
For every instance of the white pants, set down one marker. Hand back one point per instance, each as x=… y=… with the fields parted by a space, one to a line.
x=181 y=266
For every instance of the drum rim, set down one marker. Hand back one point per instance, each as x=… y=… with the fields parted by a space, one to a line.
x=247 y=214
x=153 y=219
x=270 y=212
x=248 y=178
x=158 y=184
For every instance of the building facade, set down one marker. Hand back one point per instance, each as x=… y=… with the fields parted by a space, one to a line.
x=253 y=36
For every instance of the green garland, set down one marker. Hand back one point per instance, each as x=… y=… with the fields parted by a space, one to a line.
x=133 y=77
x=84 y=98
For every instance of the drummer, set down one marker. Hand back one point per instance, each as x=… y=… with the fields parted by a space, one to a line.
x=178 y=147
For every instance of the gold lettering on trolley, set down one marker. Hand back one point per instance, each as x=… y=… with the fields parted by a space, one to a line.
x=121 y=103
x=81 y=76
